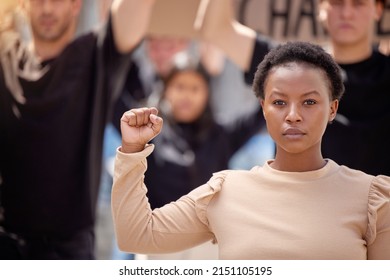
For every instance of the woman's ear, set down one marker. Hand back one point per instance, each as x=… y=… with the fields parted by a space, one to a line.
x=334 y=105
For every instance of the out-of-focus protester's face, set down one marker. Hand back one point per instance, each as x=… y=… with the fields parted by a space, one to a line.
x=51 y=19
x=297 y=107
x=350 y=21
x=161 y=50
x=187 y=94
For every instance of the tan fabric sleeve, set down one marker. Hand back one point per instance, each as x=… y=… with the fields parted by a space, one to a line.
x=174 y=227
x=378 y=231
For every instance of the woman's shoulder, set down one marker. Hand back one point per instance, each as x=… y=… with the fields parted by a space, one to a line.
x=378 y=208
x=378 y=187
x=348 y=171
x=380 y=190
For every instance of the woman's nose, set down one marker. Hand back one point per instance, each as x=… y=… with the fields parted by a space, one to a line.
x=293 y=114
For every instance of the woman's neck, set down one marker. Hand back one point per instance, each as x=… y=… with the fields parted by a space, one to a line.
x=301 y=162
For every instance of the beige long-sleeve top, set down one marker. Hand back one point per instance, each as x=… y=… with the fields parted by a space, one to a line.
x=331 y=213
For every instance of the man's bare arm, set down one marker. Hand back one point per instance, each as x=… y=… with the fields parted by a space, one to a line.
x=130 y=20
x=218 y=26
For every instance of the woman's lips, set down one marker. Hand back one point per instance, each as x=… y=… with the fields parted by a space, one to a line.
x=293 y=132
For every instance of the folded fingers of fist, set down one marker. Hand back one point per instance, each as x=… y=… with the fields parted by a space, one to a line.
x=136 y=117
x=145 y=116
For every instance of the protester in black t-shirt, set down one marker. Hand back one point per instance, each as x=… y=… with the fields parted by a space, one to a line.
x=55 y=96
x=361 y=126
x=358 y=135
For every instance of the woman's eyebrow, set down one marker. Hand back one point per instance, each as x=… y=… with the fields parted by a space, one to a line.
x=282 y=94
x=311 y=92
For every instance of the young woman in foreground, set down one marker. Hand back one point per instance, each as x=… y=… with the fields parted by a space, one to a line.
x=297 y=206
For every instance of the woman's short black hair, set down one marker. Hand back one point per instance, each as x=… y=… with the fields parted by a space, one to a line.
x=300 y=52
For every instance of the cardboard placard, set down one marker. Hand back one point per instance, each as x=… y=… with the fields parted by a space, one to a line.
x=292 y=19
x=280 y=19
x=174 y=18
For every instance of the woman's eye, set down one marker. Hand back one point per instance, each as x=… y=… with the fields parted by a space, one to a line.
x=279 y=102
x=310 y=102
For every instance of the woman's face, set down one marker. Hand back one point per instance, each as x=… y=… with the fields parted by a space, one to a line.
x=187 y=95
x=297 y=107
x=350 y=21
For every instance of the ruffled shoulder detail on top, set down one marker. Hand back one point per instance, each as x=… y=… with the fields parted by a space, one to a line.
x=213 y=186
x=378 y=207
